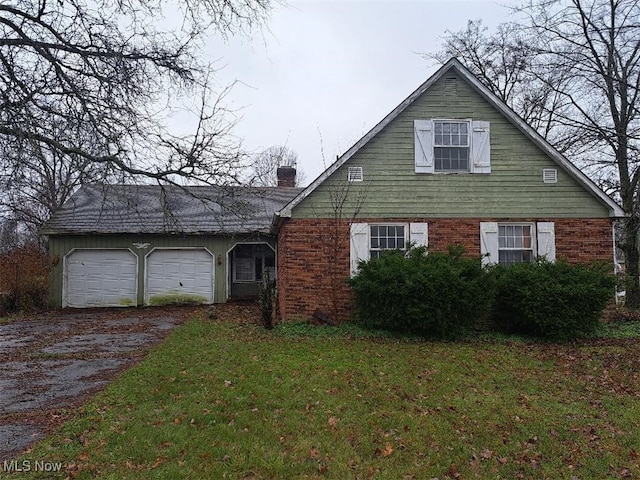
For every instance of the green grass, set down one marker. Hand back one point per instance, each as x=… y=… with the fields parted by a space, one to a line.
x=223 y=400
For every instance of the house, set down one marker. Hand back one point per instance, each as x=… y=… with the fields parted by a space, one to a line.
x=451 y=164
x=125 y=245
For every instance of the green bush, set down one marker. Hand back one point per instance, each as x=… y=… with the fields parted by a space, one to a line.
x=437 y=294
x=553 y=300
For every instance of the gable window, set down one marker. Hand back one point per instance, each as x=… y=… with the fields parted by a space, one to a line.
x=386 y=237
x=515 y=244
x=451 y=146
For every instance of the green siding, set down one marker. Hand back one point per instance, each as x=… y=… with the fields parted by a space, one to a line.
x=514 y=188
x=61 y=245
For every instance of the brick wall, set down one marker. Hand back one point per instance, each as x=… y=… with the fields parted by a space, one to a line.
x=313 y=265
x=313 y=255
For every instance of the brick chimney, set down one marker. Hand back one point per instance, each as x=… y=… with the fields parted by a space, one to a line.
x=286 y=176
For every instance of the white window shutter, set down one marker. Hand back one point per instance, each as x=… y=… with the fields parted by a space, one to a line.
x=547 y=241
x=419 y=234
x=423 y=146
x=480 y=147
x=489 y=242
x=359 y=245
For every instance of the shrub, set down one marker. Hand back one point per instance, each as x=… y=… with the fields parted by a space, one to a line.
x=267 y=298
x=24 y=277
x=438 y=294
x=553 y=300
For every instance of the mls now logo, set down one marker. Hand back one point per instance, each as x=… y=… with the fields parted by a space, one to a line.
x=28 y=466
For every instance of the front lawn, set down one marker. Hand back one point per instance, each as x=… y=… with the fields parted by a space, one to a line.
x=229 y=400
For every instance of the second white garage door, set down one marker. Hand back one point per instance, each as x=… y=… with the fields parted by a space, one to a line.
x=185 y=273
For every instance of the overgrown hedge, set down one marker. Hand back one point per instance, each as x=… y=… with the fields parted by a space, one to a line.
x=438 y=294
x=555 y=300
x=442 y=294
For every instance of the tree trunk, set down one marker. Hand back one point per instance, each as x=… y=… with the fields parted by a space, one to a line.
x=632 y=262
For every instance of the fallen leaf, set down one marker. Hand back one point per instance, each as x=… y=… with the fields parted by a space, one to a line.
x=486 y=454
x=314 y=452
x=384 y=452
x=333 y=422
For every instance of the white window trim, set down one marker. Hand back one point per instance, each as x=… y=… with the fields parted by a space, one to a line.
x=534 y=242
x=479 y=146
x=468 y=146
x=543 y=240
x=359 y=242
x=389 y=224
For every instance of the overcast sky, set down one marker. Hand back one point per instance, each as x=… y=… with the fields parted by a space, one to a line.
x=326 y=72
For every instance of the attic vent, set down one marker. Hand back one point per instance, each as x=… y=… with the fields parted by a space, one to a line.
x=355 y=174
x=549 y=175
x=451 y=86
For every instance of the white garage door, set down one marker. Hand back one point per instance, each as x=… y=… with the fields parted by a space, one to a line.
x=175 y=274
x=100 y=278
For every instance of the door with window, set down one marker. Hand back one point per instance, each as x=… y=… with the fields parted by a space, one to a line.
x=250 y=263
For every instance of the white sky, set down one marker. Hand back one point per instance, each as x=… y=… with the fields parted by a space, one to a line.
x=326 y=72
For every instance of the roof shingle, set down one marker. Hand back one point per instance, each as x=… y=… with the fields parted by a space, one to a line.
x=112 y=209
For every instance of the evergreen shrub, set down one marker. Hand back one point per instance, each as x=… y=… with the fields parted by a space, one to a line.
x=552 y=300
x=439 y=294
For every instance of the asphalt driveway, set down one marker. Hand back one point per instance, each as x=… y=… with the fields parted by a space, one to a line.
x=54 y=361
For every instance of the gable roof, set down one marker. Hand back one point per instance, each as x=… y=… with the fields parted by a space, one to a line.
x=454 y=65
x=113 y=209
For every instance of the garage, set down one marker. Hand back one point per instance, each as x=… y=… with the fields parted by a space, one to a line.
x=100 y=278
x=175 y=275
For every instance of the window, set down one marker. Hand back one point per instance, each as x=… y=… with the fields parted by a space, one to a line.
x=509 y=243
x=250 y=262
x=451 y=146
x=370 y=240
x=515 y=244
x=386 y=237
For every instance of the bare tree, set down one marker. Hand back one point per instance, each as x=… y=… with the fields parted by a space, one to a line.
x=507 y=63
x=9 y=235
x=265 y=164
x=39 y=179
x=583 y=60
x=90 y=87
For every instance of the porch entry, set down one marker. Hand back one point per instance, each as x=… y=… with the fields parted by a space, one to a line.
x=249 y=263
